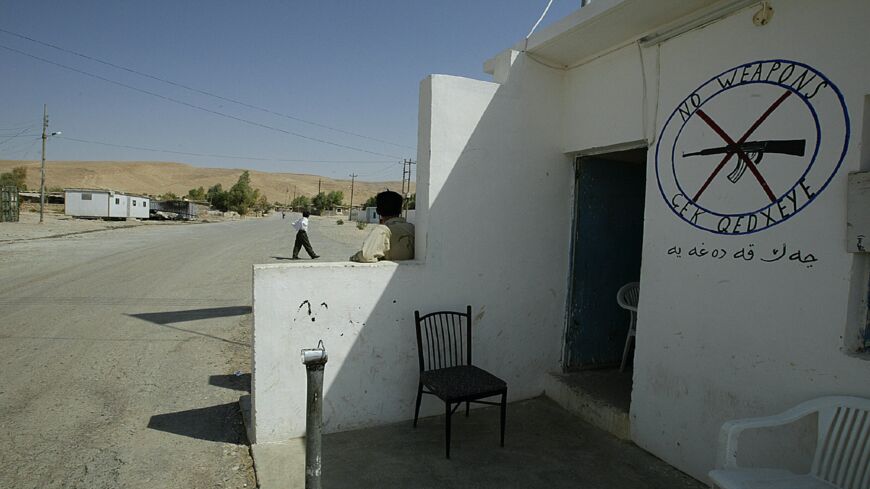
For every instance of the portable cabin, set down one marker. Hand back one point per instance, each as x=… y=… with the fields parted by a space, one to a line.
x=104 y=203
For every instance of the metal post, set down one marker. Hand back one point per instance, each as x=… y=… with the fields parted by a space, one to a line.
x=42 y=179
x=314 y=360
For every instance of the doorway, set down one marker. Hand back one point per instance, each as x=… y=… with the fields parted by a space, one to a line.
x=607 y=244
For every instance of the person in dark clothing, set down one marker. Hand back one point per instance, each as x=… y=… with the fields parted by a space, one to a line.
x=301 y=227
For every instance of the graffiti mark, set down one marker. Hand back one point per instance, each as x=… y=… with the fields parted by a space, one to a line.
x=305 y=303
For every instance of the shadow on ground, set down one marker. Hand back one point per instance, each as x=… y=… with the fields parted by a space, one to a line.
x=240 y=382
x=221 y=423
x=169 y=317
x=166 y=319
x=544 y=447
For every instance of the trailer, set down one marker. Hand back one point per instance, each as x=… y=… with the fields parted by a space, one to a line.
x=101 y=203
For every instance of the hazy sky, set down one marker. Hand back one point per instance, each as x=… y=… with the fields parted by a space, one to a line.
x=352 y=65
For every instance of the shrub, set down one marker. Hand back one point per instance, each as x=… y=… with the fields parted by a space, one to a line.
x=340 y=222
x=361 y=225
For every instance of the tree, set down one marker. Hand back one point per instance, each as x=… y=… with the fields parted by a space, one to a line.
x=320 y=201
x=242 y=196
x=263 y=204
x=15 y=178
x=196 y=194
x=301 y=202
x=168 y=196
x=334 y=198
x=370 y=203
x=217 y=197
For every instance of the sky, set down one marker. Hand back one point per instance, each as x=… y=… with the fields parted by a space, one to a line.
x=330 y=87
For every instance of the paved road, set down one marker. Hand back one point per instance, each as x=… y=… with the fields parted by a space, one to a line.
x=117 y=352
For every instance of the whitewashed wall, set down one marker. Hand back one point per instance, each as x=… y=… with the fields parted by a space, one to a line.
x=478 y=140
x=723 y=339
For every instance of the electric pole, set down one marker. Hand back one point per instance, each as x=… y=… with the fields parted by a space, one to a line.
x=42 y=169
x=406 y=176
x=318 y=186
x=350 y=209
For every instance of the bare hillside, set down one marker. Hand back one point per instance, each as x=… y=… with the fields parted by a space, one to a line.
x=154 y=178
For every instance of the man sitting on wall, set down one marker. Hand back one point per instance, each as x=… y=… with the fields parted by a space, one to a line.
x=393 y=238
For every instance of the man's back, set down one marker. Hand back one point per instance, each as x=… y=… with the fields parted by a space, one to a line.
x=392 y=240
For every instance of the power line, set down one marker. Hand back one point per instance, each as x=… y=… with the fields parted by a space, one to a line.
x=32 y=124
x=211 y=155
x=194 y=106
x=18 y=135
x=388 y=168
x=201 y=91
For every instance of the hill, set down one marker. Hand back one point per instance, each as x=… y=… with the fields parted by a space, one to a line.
x=155 y=178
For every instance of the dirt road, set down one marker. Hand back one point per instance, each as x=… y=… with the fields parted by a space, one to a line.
x=118 y=351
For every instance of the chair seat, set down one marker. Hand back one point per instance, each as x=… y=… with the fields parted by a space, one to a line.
x=765 y=479
x=463 y=382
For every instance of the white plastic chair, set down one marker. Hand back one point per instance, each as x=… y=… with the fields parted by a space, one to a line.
x=842 y=458
x=627 y=297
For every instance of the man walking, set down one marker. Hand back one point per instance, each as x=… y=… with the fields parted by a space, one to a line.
x=301 y=227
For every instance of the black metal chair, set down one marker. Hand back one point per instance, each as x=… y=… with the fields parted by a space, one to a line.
x=444 y=349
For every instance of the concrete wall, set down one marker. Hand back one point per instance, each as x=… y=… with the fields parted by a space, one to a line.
x=471 y=132
x=723 y=338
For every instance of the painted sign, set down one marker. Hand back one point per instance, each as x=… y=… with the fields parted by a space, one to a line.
x=752 y=146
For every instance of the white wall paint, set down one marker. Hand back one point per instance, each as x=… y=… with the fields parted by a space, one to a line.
x=471 y=132
x=726 y=339
x=597 y=90
x=721 y=341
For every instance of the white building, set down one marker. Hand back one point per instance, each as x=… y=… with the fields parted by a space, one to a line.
x=700 y=147
x=104 y=203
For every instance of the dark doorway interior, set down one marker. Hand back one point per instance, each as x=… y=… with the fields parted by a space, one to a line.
x=608 y=237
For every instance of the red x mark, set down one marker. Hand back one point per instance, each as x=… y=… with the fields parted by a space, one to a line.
x=749 y=164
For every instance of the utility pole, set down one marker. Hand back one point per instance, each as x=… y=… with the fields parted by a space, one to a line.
x=318 y=186
x=350 y=208
x=42 y=170
x=406 y=176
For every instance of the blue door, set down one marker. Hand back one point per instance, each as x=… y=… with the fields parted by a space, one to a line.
x=608 y=236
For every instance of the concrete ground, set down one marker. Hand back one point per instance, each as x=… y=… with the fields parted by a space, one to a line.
x=118 y=351
x=545 y=447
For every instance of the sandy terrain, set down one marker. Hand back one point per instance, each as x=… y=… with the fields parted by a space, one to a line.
x=154 y=178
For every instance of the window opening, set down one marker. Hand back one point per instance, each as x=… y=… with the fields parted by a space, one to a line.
x=86 y=197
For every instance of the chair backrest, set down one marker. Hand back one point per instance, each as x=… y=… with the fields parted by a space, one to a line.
x=628 y=296
x=443 y=339
x=843 y=450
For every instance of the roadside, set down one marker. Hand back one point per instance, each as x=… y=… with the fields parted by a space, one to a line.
x=57 y=225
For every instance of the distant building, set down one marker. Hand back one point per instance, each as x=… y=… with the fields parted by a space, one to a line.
x=81 y=202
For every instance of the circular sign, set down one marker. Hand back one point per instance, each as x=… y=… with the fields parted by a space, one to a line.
x=752 y=146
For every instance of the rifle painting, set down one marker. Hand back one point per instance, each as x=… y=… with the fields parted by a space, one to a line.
x=783 y=113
